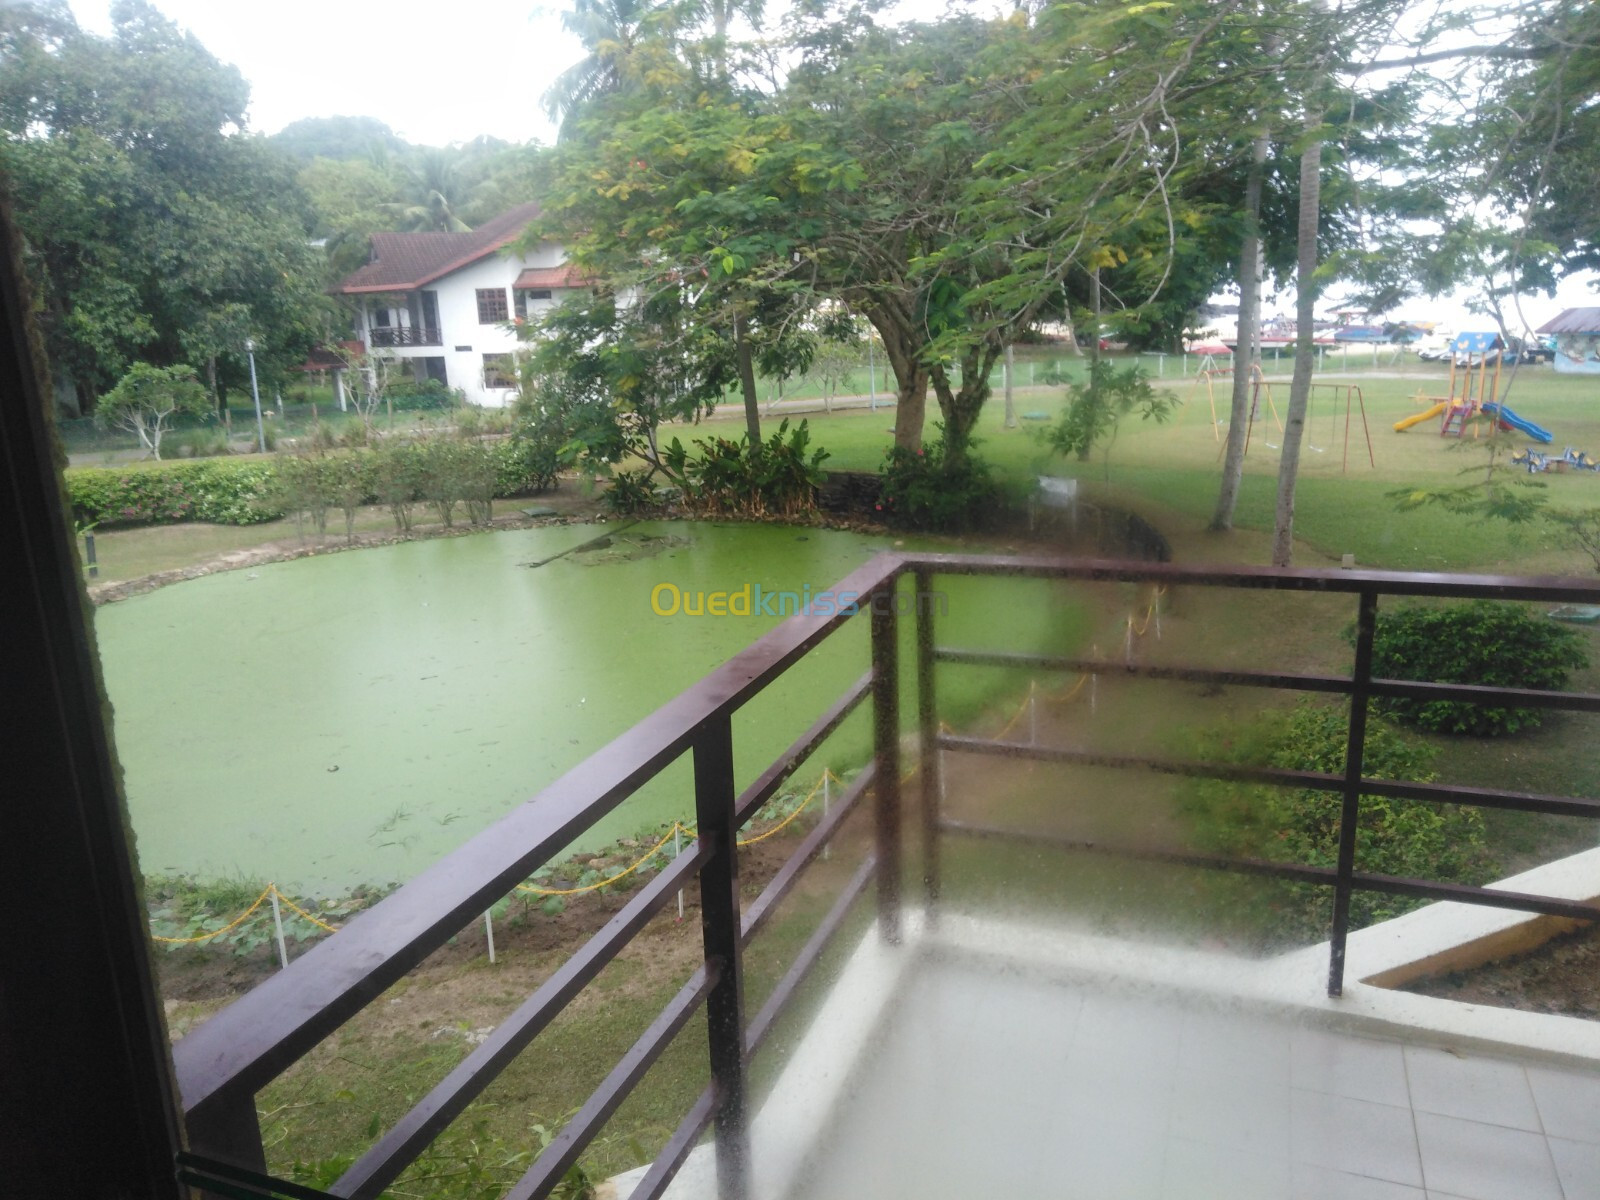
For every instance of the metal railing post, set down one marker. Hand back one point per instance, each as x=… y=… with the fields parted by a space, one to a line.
x=1350 y=811
x=886 y=777
x=228 y=1130
x=714 y=795
x=930 y=759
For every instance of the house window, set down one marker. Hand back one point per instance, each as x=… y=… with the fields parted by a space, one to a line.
x=523 y=295
x=498 y=371
x=492 y=306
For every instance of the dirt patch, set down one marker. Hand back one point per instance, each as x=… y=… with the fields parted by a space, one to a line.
x=1562 y=976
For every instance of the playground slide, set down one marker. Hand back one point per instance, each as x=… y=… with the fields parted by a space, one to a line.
x=1508 y=418
x=1436 y=410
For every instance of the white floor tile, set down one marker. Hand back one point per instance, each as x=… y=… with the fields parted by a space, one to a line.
x=1568 y=1101
x=1311 y=1182
x=1232 y=1114
x=1578 y=1167
x=1357 y=1136
x=1473 y=1089
x=1240 y=1047
x=1342 y=1065
x=1485 y=1162
x=1195 y=1171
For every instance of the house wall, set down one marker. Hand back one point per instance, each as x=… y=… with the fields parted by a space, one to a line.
x=465 y=340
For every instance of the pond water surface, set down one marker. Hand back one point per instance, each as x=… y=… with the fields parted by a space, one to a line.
x=349 y=718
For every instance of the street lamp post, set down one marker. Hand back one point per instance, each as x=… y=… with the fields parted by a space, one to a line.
x=255 y=392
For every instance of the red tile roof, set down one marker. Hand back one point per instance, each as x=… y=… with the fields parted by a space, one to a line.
x=403 y=262
x=564 y=276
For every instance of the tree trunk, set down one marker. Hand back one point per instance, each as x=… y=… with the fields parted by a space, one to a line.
x=1245 y=350
x=1094 y=353
x=747 y=383
x=910 y=379
x=1304 y=349
x=960 y=407
x=1011 y=404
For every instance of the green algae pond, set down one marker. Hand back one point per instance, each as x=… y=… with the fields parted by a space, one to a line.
x=348 y=718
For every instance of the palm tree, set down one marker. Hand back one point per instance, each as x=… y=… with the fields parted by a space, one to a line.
x=435 y=188
x=614 y=32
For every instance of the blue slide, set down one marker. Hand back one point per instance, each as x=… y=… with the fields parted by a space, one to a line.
x=1506 y=417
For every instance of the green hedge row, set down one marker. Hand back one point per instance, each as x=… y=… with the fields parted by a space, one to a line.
x=229 y=491
x=221 y=491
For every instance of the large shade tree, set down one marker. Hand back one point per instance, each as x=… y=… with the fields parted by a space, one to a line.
x=151 y=220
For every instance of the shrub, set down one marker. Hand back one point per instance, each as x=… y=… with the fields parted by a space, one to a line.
x=430 y=394
x=538 y=448
x=397 y=481
x=1394 y=837
x=776 y=478
x=222 y=491
x=1494 y=645
x=630 y=492
x=925 y=490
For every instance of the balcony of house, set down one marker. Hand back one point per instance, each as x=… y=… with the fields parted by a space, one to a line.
x=1028 y=954
x=401 y=336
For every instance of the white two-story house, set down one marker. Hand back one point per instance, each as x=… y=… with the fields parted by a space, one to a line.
x=445 y=304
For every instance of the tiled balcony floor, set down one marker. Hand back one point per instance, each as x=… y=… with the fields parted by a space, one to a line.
x=987 y=1085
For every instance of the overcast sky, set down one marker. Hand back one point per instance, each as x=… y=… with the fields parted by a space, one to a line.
x=438 y=73
x=435 y=73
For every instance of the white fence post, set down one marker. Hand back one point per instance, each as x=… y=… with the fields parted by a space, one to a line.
x=677 y=849
x=488 y=929
x=277 y=922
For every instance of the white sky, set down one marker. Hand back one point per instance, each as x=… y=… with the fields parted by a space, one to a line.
x=439 y=73
x=436 y=73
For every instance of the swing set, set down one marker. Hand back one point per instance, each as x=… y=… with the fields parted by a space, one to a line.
x=1261 y=387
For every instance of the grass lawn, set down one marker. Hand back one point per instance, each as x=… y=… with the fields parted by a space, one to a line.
x=1172 y=470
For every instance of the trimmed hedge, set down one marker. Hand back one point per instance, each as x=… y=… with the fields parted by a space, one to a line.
x=235 y=491
x=1481 y=642
x=221 y=491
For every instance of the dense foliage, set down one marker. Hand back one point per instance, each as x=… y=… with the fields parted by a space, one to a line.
x=929 y=490
x=1394 y=837
x=775 y=478
x=220 y=490
x=441 y=472
x=1493 y=645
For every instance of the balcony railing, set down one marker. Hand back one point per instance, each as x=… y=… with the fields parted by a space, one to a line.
x=222 y=1064
x=398 y=335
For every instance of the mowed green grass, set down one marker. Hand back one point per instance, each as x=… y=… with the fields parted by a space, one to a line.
x=1343 y=501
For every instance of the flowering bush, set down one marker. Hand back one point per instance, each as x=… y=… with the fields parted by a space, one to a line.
x=925 y=489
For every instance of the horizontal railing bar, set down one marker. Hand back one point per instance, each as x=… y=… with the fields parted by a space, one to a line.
x=258 y=1036
x=1449 y=793
x=1352 y=582
x=1335 y=684
x=566 y=1147
x=388 y=1158
x=1491 y=696
x=667 y=1164
x=1237 y=773
x=1095 y=666
x=805 y=853
x=764 y=788
x=1462 y=893
x=1185 y=858
x=227 y=1179
x=1433 y=793
x=1363 y=880
x=816 y=945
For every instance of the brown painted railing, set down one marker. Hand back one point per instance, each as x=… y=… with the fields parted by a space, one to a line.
x=400 y=335
x=223 y=1063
